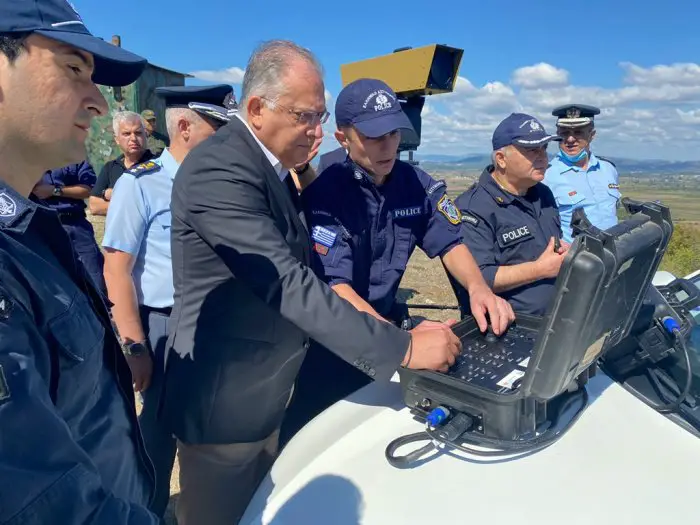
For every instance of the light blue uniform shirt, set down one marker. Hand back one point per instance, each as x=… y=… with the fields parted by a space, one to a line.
x=595 y=189
x=138 y=223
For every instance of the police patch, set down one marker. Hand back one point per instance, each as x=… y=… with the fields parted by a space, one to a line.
x=449 y=210
x=514 y=236
x=4 y=388
x=323 y=236
x=143 y=168
x=614 y=186
x=407 y=212
x=8 y=207
x=320 y=248
x=470 y=219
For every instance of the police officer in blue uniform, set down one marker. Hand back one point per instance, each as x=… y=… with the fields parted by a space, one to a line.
x=510 y=219
x=65 y=190
x=138 y=265
x=577 y=177
x=70 y=447
x=366 y=214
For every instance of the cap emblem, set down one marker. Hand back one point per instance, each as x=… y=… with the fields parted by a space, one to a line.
x=573 y=113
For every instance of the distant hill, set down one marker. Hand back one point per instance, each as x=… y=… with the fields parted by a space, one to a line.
x=635 y=167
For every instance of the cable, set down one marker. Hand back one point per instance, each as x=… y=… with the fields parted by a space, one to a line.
x=674 y=329
x=457 y=430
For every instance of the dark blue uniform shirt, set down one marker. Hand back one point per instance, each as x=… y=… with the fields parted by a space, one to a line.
x=364 y=234
x=72 y=175
x=70 y=447
x=502 y=229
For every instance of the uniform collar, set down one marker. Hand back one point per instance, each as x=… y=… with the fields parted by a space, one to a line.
x=593 y=164
x=16 y=211
x=276 y=164
x=169 y=163
x=500 y=195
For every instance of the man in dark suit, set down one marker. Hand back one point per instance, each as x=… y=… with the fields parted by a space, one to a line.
x=246 y=300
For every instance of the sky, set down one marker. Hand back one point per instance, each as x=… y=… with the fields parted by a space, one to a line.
x=638 y=61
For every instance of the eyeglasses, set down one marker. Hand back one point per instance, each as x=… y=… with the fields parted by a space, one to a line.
x=305 y=118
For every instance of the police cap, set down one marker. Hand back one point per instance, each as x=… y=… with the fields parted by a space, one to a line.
x=207 y=100
x=522 y=130
x=575 y=115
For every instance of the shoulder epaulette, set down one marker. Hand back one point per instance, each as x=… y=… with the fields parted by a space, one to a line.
x=606 y=160
x=143 y=168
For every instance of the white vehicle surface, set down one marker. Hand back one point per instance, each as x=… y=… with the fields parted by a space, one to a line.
x=621 y=463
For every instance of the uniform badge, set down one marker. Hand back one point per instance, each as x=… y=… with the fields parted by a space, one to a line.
x=4 y=388
x=470 y=219
x=572 y=193
x=614 y=186
x=323 y=236
x=449 y=210
x=499 y=200
x=143 y=168
x=514 y=236
x=8 y=207
x=320 y=248
x=437 y=185
x=573 y=113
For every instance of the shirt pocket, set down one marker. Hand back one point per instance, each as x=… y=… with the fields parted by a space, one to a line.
x=403 y=238
x=570 y=197
x=164 y=219
x=78 y=338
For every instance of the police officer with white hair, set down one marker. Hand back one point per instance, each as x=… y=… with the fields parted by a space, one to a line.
x=138 y=264
x=577 y=177
x=510 y=220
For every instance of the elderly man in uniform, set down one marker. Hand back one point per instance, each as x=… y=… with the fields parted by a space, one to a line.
x=70 y=447
x=367 y=212
x=138 y=266
x=130 y=136
x=577 y=177
x=156 y=142
x=510 y=219
x=65 y=190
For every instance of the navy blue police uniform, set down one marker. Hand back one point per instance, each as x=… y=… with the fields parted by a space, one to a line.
x=71 y=212
x=70 y=446
x=363 y=235
x=504 y=229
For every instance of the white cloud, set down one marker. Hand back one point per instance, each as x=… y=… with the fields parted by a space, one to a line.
x=232 y=75
x=654 y=113
x=540 y=75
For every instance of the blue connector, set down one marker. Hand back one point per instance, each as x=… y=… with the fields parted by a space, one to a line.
x=437 y=416
x=671 y=325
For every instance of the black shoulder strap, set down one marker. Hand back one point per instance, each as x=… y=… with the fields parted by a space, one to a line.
x=606 y=160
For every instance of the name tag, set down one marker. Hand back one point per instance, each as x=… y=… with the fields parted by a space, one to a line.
x=514 y=236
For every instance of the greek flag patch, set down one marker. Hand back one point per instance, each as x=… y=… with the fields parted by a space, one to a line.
x=323 y=236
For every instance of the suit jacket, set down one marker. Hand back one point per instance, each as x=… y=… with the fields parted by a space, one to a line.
x=246 y=299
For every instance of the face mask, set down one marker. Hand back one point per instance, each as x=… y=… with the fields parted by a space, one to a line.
x=573 y=159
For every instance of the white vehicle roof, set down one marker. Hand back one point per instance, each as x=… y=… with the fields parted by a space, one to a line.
x=621 y=463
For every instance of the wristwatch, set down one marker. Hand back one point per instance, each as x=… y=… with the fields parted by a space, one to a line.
x=57 y=191
x=134 y=349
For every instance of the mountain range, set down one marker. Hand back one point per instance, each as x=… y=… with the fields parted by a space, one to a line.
x=634 y=167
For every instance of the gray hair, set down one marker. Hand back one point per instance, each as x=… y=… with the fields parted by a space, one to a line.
x=125 y=116
x=173 y=115
x=267 y=67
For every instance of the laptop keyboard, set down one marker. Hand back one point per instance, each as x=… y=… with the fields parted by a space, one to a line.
x=494 y=363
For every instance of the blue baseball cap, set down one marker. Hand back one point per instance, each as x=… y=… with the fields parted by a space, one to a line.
x=521 y=130
x=370 y=106
x=58 y=20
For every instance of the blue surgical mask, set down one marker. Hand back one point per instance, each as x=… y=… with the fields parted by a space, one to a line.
x=573 y=159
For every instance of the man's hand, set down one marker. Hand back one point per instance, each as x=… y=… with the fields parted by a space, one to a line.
x=433 y=348
x=108 y=194
x=430 y=325
x=482 y=301
x=550 y=261
x=141 y=369
x=43 y=191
